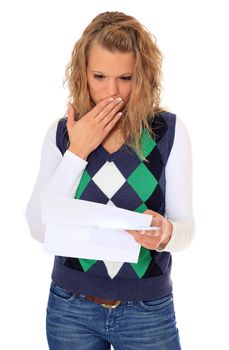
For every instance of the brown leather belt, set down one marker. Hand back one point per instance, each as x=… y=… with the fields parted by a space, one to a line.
x=109 y=304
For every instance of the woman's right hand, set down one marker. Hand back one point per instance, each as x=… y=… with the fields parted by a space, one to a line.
x=87 y=133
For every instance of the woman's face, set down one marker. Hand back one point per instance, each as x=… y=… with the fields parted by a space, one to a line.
x=109 y=74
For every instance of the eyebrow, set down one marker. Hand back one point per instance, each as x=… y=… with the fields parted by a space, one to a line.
x=98 y=72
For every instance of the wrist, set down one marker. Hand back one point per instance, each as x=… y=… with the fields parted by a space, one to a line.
x=82 y=154
x=168 y=233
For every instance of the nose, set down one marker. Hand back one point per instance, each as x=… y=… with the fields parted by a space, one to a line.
x=112 y=88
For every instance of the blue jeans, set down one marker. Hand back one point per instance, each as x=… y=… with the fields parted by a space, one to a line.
x=73 y=323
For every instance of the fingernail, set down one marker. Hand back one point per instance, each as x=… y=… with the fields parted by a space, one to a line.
x=142 y=232
x=156 y=234
x=119 y=99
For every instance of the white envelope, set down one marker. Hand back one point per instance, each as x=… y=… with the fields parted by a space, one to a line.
x=83 y=229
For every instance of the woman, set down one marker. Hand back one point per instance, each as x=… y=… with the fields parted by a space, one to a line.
x=117 y=146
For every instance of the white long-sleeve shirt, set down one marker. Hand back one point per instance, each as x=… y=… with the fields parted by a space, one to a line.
x=60 y=175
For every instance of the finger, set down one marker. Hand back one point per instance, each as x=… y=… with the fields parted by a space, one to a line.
x=146 y=241
x=156 y=219
x=152 y=212
x=112 y=123
x=144 y=233
x=70 y=114
x=150 y=233
x=99 y=107
x=157 y=222
x=132 y=231
x=106 y=119
x=111 y=109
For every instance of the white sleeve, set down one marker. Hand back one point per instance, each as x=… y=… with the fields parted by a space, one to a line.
x=178 y=197
x=58 y=175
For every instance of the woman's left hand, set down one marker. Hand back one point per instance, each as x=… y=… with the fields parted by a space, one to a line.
x=156 y=238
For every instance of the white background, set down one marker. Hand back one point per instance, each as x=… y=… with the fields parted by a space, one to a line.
x=36 y=42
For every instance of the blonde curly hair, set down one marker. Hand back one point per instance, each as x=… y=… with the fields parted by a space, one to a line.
x=117 y=31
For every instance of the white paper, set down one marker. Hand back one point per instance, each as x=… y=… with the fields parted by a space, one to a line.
x=90 y=243
x=70 y=211
x=84 y=229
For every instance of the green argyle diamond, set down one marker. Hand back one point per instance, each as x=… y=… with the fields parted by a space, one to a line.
x=143 y=262
x=147 y=144
x=85 y=179
x=144 y=257
x=141 y=208
x=87 y=263
x=145 y=188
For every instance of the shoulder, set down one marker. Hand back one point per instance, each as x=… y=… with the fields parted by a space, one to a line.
x=62 y=122
x=168 y=117
x=61 y=127
x=163 y=123
x=49 y=143
x=50 y=139
x=165 y=119
x=177 y=133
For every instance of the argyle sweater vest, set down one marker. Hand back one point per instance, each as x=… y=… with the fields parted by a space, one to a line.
x=123 y=179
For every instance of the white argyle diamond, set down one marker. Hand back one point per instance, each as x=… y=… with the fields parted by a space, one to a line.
x=109 y=179
x=113 y=267
x=111 y=203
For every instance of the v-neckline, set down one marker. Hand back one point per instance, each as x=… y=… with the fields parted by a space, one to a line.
x=111 y=156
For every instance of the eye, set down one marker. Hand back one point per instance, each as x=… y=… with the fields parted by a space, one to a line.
x=127 y=78
x=99 y=76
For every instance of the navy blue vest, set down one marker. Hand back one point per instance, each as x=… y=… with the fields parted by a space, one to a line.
x=143 y=189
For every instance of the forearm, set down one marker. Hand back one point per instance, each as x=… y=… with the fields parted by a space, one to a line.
x=179 y=211
x=181 y=235
x=64 y=182
x=58 y=176
x=66 y=178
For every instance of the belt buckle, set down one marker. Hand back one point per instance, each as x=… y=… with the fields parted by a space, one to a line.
x=107 y=306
